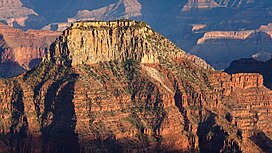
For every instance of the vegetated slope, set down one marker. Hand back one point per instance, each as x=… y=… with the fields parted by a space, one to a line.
x=119 y=86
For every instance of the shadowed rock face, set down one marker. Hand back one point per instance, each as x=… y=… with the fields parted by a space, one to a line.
x=119 y=86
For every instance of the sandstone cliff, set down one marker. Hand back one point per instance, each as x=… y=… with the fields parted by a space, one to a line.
x=120 y=86
x=21 y=50
x=252 y=66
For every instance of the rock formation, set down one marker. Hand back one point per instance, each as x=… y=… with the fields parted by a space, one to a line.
x=220 y=48
x=21 y=51
x=199 y=27
x=14 y=12
x=120 y=86
x=132 y=8
x=262 y=56
x=250 y=65
x=200 y=4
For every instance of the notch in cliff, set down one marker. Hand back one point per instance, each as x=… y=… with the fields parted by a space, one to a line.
x=91 y=42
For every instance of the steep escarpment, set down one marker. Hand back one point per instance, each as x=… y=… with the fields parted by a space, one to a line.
x=119 y=86
x=21 y=51
x=118 y=40
x=246 y=105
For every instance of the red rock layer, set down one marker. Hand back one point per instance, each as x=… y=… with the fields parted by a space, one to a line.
x=120 y=104
x=22 y=49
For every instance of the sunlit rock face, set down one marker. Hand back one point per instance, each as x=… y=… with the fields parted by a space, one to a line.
x=184 y=22
x=129 y=89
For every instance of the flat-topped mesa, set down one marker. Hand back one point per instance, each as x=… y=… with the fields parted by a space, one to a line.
x=109 y=24
x=92 y=42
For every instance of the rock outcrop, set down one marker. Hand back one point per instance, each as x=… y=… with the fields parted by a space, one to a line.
x=21 y=51
x=246 y=104
x=120 y=86
x=115 y=40
x=251 y=65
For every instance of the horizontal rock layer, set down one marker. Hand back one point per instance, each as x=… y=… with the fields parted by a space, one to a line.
x=175 y=103
x=21 y=50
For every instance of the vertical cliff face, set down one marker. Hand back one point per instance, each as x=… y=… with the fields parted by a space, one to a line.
x=246 y=104
x=21 y=50
x=251 y=65
x=115 y=40
x=119 y=86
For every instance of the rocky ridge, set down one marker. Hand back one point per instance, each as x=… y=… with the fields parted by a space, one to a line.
x=140 y=93
x=200 y=4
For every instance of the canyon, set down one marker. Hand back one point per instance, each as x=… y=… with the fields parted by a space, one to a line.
x=120 y=86
x=184 y=22
x=220 y=48
x=21 y=51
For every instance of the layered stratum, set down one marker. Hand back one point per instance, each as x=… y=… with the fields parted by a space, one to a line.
x=210 y=29
x=119 y=86
x=22 y=50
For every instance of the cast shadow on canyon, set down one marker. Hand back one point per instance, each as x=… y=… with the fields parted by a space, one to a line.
x=262 y=141
x=59 y=136
x=17 y=139
x=10 y=69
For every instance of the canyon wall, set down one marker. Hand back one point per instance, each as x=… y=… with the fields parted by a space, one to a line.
x=220 y=48
x=125 y=104
x=252 y=66
x=21 y=51
x=199 y=27
x=14 y=12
